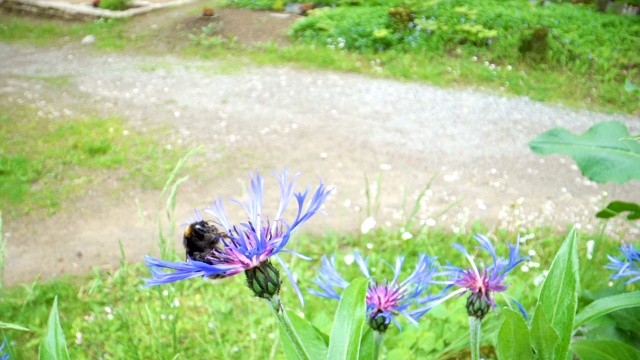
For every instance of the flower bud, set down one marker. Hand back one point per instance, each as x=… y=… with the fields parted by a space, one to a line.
x=478 y=305
x=264 y=280
x=379 y=322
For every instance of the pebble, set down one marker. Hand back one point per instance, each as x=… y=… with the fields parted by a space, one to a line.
x=88 y=40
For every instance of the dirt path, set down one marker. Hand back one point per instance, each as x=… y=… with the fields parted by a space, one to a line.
x=336 y=126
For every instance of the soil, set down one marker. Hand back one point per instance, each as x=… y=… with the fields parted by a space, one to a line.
x=338 y=127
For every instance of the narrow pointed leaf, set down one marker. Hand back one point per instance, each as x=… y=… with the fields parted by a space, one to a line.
x=54 y=345
x=615 y=208
x=314 y=341
x=559 y=294
x=606 y=305
x=513 y=338
x=544 y=338
x=604 y=350
x=347 y=328
x=600 y=153
x=4 y=325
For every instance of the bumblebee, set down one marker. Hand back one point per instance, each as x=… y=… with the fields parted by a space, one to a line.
x=200 y=238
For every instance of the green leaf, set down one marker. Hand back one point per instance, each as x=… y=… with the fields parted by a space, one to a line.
x=559 y=294
x=604 y=350
x=367 y=345
x=513 y=338
x=599 y=153
x=4 y=325
x=314 y=341
x=606 y=305
x=628 y=85
x=543 y=337
x=54 y=345
x=348 y=323
x=615 y=208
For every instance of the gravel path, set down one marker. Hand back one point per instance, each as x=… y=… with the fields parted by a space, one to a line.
x=336 y=126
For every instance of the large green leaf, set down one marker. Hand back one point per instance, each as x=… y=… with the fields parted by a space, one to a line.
x=348 y=323
x=544 y=338
x=600 y=153
x=559 y=294
x=604 y=350
x=513 y=337
x=313 y=340
x=606 y=305
x=54 y=345
x=615 y=208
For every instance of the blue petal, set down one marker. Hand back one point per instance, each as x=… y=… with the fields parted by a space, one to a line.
x=183 y=270
x=362 y=264
x=294 y=284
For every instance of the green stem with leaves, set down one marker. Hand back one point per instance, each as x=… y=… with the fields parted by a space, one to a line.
x=475 y=330
x=287 y=327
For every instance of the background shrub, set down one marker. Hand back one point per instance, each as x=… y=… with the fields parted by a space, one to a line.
x=117 y=5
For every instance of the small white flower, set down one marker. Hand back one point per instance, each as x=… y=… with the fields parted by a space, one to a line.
x=369 y=246
x=590 y=245
x=348 y=259
x=368 y=224
x=385 y=167
x=524 y=268
x=406 y=235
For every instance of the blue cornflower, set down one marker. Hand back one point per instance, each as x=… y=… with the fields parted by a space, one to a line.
x=385 y=301
x=248 y=247
x=3 y=356
x=482 y=285
x=629 y=267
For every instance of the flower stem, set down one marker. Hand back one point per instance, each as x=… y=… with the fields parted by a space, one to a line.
x=475 y=329
x=287 y=327
x=379 y=339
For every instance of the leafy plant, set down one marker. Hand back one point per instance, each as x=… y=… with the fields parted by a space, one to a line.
x=117 y=5
x=555 y=320
x=208 y=36
x=604 y=153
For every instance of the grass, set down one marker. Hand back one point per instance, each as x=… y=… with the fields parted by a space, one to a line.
x=44 y=162
x=109 y=315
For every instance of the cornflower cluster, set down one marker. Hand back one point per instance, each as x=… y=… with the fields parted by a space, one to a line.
x=247 y=247
x=385 y=300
